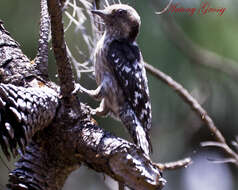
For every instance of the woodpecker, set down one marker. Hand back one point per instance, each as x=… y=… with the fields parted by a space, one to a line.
x=120 y=74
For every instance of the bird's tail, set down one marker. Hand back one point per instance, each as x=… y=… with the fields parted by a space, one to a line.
x=143 y=139
x=138 y=133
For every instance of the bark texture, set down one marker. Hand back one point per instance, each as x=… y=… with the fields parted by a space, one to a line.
x=53 y=130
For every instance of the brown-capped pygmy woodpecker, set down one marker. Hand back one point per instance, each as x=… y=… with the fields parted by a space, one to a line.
x=120 y=74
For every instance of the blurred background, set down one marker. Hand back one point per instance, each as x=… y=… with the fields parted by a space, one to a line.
x=176 y=131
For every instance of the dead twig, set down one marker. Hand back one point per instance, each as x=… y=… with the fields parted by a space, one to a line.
x=174 y=165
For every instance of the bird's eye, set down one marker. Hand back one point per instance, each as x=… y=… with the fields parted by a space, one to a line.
x=122 y=11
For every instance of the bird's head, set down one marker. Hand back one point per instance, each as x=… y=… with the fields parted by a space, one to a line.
x=121 y=21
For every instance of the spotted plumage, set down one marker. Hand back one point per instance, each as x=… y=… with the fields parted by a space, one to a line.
x=131 y=77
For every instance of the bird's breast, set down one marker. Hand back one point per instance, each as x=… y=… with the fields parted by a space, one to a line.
x=113 y=94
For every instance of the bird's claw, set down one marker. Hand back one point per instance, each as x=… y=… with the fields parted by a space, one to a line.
x=77 y=88
x=93 y=111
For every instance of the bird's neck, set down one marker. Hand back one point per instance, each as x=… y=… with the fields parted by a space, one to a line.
x=117 y=34
x=133 y=33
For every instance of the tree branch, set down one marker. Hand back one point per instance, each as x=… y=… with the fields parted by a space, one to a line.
x=15 y=67
x=119 y=159
x=71 y=137
x=41 y=59
x=23 y=112
x=28 y=103
x=192 y=102
x=175 y=165
x=60 y=149
x=64 y=68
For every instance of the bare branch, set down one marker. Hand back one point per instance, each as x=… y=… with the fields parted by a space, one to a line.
x=15 y=67
x=211 y=143
x=90 y=36
x=64 y=68
x=73 y=14
x=184 y=94
x=223 y=161
x=192 y=102
x=41 y=59
x=233 y=155
x=119 y=159
x=174 y=165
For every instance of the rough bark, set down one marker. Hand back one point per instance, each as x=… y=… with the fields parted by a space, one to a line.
x=64 y=135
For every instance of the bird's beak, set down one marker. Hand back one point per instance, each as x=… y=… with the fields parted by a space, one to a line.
x=102 y=13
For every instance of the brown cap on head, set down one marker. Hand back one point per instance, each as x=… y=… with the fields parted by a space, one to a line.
x=122 y=21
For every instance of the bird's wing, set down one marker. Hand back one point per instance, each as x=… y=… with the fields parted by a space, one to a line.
x=128 y=66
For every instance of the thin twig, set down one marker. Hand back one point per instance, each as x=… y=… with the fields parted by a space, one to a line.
x=165 y=9
x=211 y=143
x=73 y=15
x=184 y=94
x=80 y=20
x=223 y=161
x=225 y=147
x=174 y=165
